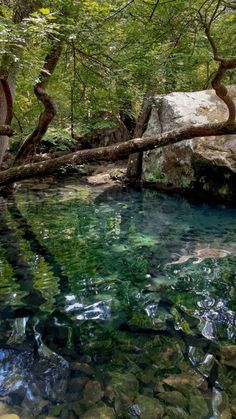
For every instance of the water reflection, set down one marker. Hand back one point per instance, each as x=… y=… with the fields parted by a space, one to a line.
x=97 y=280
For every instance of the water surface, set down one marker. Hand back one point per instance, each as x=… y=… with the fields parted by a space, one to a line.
x=116 y=303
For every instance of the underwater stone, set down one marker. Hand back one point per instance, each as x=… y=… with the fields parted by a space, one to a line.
x=92 y=393
x=76 y=407
x=226 y=414
x=184 y=382
x=126 y=384
x=76 y=385
x=229 y=354
x=174 y=397
x=149 y=407
x=197 y=407
x=176 y=413
x=148 y=374
x=82 y=367
x=99 y=413
x=56 y=410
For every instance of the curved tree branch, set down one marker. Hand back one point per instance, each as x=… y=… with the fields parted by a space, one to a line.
x=49 y=112
x=222 y=91
x=224 y=63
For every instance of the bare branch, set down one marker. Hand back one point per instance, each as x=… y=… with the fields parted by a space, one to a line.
x=224 y=63
x=154 y=9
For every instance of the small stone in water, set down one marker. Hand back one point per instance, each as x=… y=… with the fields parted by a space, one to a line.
x=174 y=397
x=77 y=384
x=198 y=407
x=149 y=407
x=176 y=412
x=99 y=413
x=92 y=393
x=82 y=367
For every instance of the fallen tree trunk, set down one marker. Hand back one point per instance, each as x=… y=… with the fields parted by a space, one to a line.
x=114 y=152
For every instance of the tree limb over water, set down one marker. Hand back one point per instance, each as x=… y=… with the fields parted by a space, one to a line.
x=114 y=152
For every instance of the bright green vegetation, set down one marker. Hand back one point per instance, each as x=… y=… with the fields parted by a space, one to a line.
x=113 y=53
x=121 y=332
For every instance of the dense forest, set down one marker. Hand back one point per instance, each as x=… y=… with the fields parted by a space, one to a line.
x=70 y=69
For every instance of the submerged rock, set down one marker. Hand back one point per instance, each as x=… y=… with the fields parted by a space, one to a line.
x=229 y=355
x=149 y=407
x=92 y=393
x=197 y=407
x=205 y=165
x=186 y=382
x=82 y=367
x=124 y=384
x=176 y=413
x=174 y=397
x=99 y=413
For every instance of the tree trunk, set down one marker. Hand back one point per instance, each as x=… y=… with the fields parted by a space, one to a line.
x=134 y=166
x=9 y=70
x=114 y=152
x=30 y=145
x=7 y=90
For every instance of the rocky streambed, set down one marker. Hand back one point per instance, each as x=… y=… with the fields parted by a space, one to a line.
x=105 y=312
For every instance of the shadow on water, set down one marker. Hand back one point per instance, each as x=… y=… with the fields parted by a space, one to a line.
x=113 y=311
x=31 y=374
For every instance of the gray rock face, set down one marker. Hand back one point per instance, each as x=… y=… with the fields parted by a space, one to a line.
x=205 y=165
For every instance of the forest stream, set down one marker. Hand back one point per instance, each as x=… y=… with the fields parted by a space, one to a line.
x=116 y=304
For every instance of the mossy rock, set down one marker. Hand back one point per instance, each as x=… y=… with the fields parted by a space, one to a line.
x=124 y=384
x=56 y=410
x=228 y=353
x=185 y=382
x=176 y=413
x=197 y=407
x=149 y=407
x=175 y=398
x=92 y=393
x=99 y=413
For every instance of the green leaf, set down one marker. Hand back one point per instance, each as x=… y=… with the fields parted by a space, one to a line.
x=44 y=11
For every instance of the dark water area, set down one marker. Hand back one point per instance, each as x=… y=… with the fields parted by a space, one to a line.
x=116 y=303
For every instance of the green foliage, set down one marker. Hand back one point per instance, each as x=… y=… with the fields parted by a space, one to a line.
x=113 y=54
x=58 y=140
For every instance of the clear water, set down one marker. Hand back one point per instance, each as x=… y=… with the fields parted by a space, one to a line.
x=116 y=303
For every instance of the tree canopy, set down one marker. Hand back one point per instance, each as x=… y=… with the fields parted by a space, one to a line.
x=85 y=59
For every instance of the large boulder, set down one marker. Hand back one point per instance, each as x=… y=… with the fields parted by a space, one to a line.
x=206 y=166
